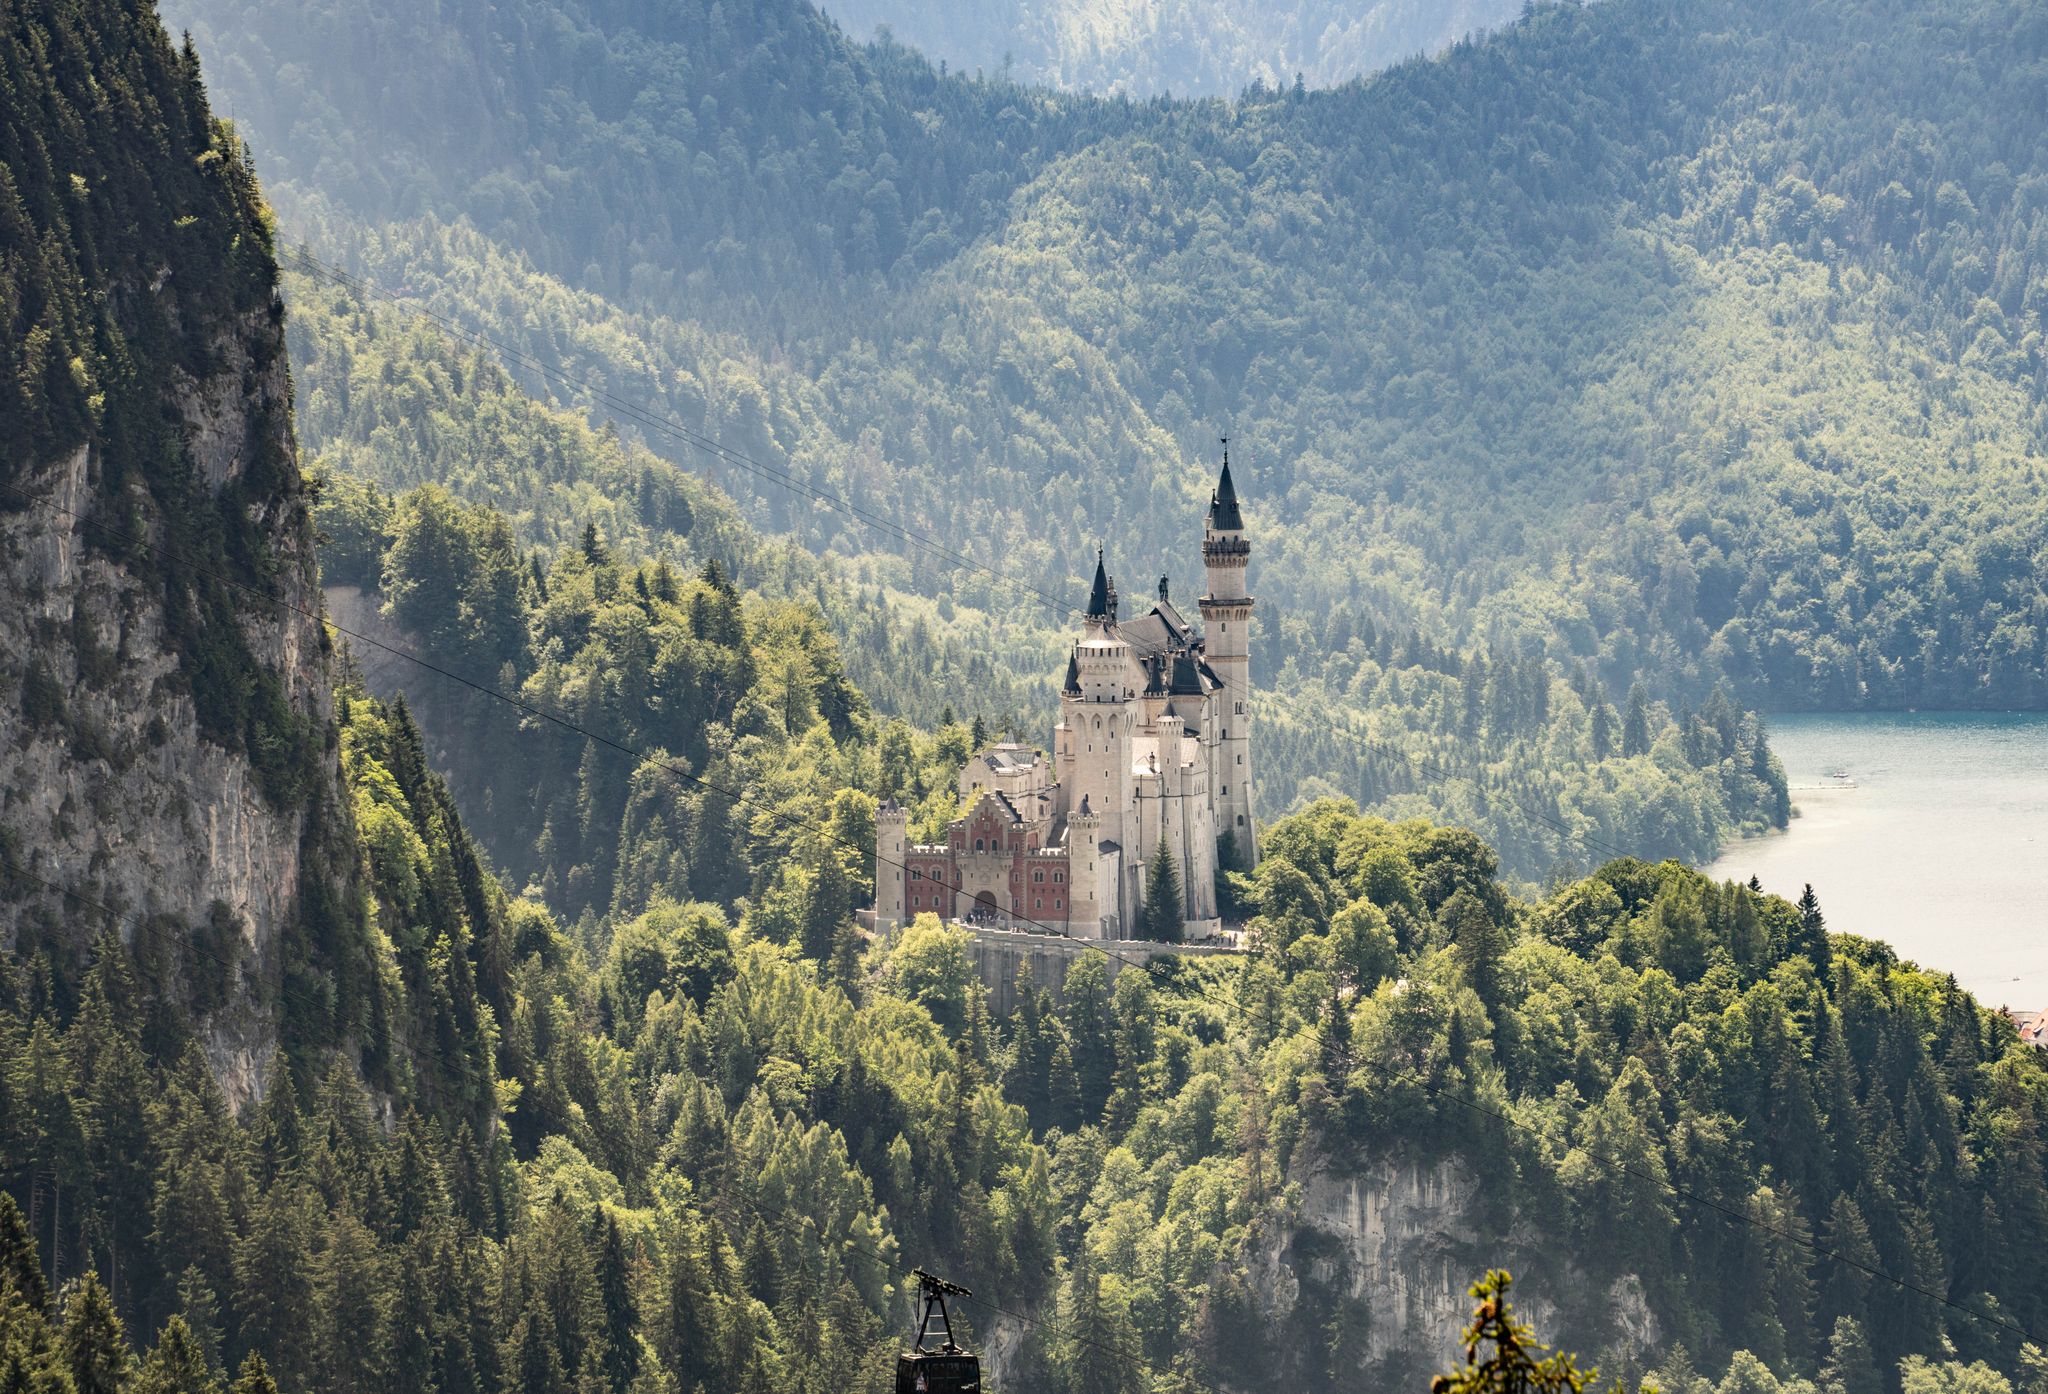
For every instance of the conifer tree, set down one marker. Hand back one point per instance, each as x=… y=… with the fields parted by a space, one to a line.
x=1481 y=942
x=1512 y=1362
x=1850 y=1367
x=1160 y=920
x=1084 y=1007
x=1601 y=726
x=827 y=906
x=1094 y=1359
x=1635 y=726
x=199 y=1309
x=254 y=1377
x=1336 y=1041
x=21 y=1270
x=844 y=967
x=94 y=1345
x=177 y=1364
x=1810 y=936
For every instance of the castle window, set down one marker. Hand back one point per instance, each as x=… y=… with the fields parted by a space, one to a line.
x=980 y=846
x=1038 y=904
x=1240 y=820
x=1058 y=877
x=1240 y=759
x=1226 y=788
x=1038 y=876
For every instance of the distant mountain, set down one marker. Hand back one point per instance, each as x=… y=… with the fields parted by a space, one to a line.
x=1699 y=343
x=1143 y=48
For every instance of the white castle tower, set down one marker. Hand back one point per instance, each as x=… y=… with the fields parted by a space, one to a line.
x=1226 y=626
x=1094 y=736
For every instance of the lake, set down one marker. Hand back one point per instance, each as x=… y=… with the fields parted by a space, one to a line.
x=1928 y=830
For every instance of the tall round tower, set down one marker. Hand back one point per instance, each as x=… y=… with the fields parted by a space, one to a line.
x=1099 y=720
x=1226 y=624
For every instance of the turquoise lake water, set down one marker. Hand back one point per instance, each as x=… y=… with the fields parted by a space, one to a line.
x=1928 y=830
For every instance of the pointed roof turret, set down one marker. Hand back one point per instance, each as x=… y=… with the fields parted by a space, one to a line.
x=1073 y=683
x=1223 y=514
x=1101 y=599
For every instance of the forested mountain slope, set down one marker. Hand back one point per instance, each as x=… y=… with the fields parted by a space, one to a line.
x=1696 y=341
x=1537 y=757
x=1190 y=47
x=690 y=1142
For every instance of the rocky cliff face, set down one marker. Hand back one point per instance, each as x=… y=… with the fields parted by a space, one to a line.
x=111 y=795
x=166 y=744
x=1398 y=1242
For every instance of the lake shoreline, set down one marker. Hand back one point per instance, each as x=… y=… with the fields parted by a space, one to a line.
x=1927 y=830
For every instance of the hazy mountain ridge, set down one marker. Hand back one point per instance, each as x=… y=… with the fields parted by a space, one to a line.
x=1189 y=47
x=1411 y=297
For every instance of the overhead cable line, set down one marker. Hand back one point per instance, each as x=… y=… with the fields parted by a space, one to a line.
x=668 y=426
x=1147 y=965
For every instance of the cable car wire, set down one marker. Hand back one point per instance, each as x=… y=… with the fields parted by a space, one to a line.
x=1147 y=965
x=667 y=425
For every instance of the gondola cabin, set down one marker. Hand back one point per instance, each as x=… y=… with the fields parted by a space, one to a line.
x=935 y=1364
x=937 y=1374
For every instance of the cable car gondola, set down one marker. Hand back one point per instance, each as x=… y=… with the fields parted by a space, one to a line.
x=943 y=1368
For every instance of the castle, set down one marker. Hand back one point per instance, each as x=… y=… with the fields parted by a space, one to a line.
x=1153 y=746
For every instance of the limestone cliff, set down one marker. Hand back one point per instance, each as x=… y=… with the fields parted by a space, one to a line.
x=165 y=734
x=1392 y=1244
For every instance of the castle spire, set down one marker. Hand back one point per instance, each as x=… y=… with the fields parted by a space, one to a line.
x=1102 y=599
x=1223 y=514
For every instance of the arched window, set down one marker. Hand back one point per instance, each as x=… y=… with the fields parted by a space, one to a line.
x=980 y=846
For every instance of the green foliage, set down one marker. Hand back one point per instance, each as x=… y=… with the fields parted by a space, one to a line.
x=1514 y=1364
x=587 y=1164
x=1492 y=741
x=1733 y=383
x=732 y=695
x=1650 y=1031
x=1160 y=919
x=136 y=284
x=117 y=176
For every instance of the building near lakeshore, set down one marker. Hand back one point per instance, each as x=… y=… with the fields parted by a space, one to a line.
x=1153 y=747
